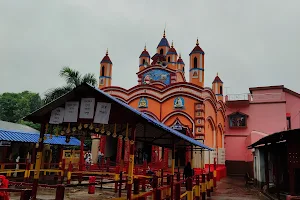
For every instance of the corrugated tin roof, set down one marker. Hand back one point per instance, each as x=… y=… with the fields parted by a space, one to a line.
x=16 y=127
x=19 y=136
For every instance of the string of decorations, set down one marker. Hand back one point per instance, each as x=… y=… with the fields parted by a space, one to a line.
x=85 y=129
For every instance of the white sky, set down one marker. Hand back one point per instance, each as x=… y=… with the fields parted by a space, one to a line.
x=250 y=43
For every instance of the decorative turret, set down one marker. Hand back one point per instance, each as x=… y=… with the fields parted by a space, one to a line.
x=217 y=87
x=197 y=65
x=180 y=64
x=105 y=71
x=144 y=59
x=163 y=46
x=172 y=57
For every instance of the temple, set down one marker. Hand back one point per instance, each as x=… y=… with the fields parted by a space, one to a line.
x=164 y=93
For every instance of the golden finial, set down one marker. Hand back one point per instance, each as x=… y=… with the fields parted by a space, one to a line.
x=145 y=48
x=179 y=55
x=107 y=51
x=164 y=33
x=197 y=43
x=172 y=45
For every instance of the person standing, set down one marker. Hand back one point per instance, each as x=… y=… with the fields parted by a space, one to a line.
x=145 y=157
x=136 y=155
x=88 y=159
x=100 y=156
x=17 y=165
x=188 y=171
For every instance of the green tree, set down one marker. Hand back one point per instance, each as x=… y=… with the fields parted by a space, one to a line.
x=73 y=79
x=15 y=106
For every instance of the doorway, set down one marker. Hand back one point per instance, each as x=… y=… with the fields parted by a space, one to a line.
x=111 y=148
x=180 y=158
x=148 y=150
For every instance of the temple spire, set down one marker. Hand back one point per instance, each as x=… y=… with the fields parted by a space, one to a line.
x=145 y=48
x=197 y=43
x=107 y=51
x=172 y=45
x=164 y=33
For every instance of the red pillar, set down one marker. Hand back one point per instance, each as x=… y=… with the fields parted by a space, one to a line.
x=4 y=152
x=81 y=160
x=153 y=157
x=166 y=158
x=103 y=143
x=33 y=154
x=126 y=151
x=119 y=150
x=188 y=155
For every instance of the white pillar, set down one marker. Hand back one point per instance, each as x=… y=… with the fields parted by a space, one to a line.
x=223 y=140
x=94 y=151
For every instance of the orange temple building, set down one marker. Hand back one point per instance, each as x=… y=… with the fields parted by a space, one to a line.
x=164 y=93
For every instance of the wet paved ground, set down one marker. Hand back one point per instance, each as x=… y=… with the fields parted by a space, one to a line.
x=227 y=189
x=234 y=189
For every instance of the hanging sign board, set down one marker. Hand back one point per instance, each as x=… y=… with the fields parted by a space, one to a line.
x=71 y=111
x=57 y=116
x=87 y=108
x=102 y=113
x=5 y=144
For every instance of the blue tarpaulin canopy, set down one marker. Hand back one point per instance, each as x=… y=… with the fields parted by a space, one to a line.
x=27 y=137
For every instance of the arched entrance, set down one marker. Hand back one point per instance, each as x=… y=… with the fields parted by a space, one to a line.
x=182 y=154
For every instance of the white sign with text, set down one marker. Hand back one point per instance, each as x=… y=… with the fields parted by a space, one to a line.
x=71 y=111
x=57 y=116
x=102 y=113
x=87 y=108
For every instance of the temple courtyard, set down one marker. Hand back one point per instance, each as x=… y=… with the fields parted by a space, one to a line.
x=229 y=188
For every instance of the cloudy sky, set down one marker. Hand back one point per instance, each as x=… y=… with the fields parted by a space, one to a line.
x=249 y=43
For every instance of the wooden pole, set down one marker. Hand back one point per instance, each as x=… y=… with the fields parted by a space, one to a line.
x=81 y=159
x=189 y=188
x=203 y=186
x=192 y=156
x=38 y=162
x=131 y=164
x=266 y=159
x=173 y=160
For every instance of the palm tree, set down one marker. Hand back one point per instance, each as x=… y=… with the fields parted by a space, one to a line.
x=73 y=79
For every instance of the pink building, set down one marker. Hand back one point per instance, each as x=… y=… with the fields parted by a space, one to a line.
x=263 y=111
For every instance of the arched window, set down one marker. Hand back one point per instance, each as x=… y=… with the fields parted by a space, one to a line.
x=161 y=52
x=144 y=61
x=195 y=62
x=102 y=71
x=169 y=59
x=221 y=89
